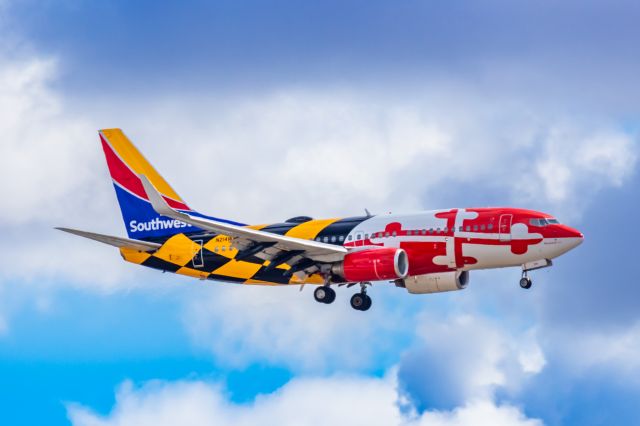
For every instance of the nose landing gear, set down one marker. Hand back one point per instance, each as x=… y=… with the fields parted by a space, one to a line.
x=525 y=281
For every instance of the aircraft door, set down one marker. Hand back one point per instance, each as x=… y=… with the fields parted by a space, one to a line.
x=198 y=259
x=504 y=227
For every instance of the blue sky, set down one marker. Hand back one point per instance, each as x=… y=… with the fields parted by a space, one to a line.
x=259 y=111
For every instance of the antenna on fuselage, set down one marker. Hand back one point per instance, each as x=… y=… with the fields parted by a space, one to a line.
x=366 y=210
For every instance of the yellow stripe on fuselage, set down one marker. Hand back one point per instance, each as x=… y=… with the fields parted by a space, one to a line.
x=192 y=273
x=178 y=250
x=238 y=269
x=136 y=161
x=309 y=230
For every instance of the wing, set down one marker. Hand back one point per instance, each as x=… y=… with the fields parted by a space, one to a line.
x=277 y=248
x=114 y=241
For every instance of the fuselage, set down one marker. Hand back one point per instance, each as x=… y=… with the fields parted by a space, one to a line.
x=458 y=239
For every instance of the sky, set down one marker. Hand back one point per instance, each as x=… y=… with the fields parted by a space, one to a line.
x=259 y=111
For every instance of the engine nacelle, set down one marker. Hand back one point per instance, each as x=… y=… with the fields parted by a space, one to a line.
x=373 y=265
x=435 y=283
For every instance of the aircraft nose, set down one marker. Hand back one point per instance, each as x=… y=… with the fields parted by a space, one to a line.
x=572 y=236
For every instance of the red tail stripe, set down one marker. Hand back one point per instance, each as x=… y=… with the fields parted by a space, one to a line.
x=125 y=177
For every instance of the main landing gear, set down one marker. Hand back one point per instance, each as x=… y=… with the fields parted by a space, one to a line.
x=324 y=294
x=361 y=301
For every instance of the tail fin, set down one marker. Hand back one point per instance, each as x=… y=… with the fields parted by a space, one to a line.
x=125 y=163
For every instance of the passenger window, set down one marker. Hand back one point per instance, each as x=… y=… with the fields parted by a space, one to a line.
x=395 y=234
x=482 y=227
x=349 y=238
x=386 y=234
x=326 y=239
x=468 y=228
x=215 y=249
x=424 y=232
x=333 y=238
x=366 y=236
x=341 y=238
x=224 y=248
x=475 y=227
x=490 y=226
x=446 y=229
x=460 y=229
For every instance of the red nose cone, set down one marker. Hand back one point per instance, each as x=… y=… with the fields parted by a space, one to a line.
x=568 y=232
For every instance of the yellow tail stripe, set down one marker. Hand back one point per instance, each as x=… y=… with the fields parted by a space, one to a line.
x=136 y=161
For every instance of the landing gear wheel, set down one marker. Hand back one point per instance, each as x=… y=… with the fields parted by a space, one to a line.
x=367 y=303
x=525 y=282
x=360 y=302
x=357 y=301
x=324 y=294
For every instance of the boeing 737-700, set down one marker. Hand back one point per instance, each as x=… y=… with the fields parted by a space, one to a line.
x=425 y=252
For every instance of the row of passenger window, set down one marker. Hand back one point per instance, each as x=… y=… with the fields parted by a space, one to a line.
x=430 y=231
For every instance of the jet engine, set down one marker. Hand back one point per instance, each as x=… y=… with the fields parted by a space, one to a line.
x=373 y=265
x=435 y=283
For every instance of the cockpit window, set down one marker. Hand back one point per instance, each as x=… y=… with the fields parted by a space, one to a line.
x=543 y=222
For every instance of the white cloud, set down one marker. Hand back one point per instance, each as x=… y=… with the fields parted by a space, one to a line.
x=304 y=401
x=574 y=160
x=52 y=174
x=614 y=350
x=469 y=356
x=263 y=158
x=333 y=152
x=479 y=413
x=275 y=155
x=244 y=324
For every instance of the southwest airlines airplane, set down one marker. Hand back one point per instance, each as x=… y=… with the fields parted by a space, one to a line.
x=426 y=252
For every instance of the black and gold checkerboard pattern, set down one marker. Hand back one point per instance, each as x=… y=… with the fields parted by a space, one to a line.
x=212 y=257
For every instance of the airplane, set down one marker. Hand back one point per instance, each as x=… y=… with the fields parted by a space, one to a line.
x=426 y=252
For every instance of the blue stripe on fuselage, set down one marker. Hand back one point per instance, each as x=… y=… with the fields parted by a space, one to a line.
x=142 y=222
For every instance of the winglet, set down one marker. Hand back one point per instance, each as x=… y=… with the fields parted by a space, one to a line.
x=157 y=201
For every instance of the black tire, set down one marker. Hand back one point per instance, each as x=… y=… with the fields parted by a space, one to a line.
x=525 y=283
x=358 y=300
x=324 y=294
x=367 y=303
x=320 y=294
x=331 y=295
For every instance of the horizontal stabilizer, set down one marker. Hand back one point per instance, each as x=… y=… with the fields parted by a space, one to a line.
x=115 y=241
